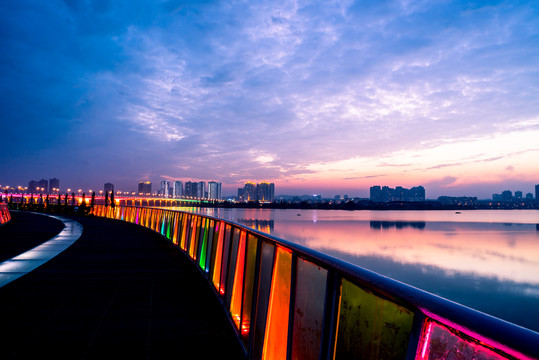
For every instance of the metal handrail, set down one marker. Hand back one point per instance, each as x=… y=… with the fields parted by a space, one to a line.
x=473 y=330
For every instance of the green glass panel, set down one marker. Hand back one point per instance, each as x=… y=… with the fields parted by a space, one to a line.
x=203 y=242
x=370 y=327
x=209 y=247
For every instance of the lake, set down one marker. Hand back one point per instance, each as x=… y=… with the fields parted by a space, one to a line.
x=484 y=259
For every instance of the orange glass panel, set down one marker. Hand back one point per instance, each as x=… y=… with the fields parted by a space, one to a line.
x=185 y=231
x=175 y=231
x=249 y=276
x=218 y=255
x=237 y=290
x=275 y=339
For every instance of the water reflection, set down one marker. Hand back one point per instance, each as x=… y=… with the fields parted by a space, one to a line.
x=378 y=225
x=266 y=226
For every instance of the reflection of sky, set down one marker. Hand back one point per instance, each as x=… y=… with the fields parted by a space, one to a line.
x=493 y=250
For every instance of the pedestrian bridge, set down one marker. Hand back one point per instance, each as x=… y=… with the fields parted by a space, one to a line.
x=281 y=300
x=287 y=301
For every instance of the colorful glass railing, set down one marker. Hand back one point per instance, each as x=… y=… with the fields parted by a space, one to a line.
x=290 y=302
x=5 y=216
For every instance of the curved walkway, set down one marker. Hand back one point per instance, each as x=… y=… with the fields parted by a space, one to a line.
x=120 y=291
x=22 y=264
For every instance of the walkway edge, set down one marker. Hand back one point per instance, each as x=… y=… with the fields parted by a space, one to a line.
x=22 y=264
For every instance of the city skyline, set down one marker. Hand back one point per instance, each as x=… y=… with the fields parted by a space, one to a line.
x=315 y=97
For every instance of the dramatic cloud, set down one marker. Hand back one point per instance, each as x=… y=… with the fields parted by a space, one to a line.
x=334 y=93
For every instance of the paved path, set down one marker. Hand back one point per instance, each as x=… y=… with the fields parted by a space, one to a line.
x=121 y=291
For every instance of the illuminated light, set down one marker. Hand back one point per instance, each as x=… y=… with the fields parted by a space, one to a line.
x=218 y=257
x=276 y=335
x=237 y=288
x=456 y=337
x=202 y=260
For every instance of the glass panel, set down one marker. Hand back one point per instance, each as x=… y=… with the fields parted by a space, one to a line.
x=209 y=247
x=233 y=262
x=220 y=232
x=176 y=227
x=193 y=238
x=308 y=310
x=185 y=232
x=275 y=339
x=370 y=327
x=440 y=342
x=226 y=251
x=262 y=300
x=237 y=290
x=252 y=244
x=202 y=243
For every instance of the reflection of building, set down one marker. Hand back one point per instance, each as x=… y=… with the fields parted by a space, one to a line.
x=386 y=194
x=145 y=188
x=214 y=190
x=54 y=186
x=260 y=225
x=108 y=188
x=379 y=225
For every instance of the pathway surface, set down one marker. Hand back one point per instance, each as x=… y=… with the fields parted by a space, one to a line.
x=120 y=291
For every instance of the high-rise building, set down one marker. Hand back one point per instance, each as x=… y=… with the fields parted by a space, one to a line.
x=177 y=191
x=201 y=190
x=265 y=192
x=164 y=191
x=54 y=186
x=385 y=194
x=32 y=186
x=537 y=193
x=518 y=194
x=43 y=186
x=108 y=188
x=145 y=188
x=507 y=195
x=249 y=192
x=214 y=190
x=191 y=189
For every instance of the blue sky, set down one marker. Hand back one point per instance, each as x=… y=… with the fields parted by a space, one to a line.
x=327 y=97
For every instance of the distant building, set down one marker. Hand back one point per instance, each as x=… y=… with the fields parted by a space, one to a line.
x=249 y=192
x=177 y=189
x=191 y=189
x=265 y=192
x=386 y=194
x=529 y=196
x=164 y=190
x=145 y=188
x=214 y=190
x=43 y=186
x=201 y=190
x=32 y=186
x=108 y=188
x=54 y=186
x=537 y=193
x=518 y=194
x=458 y=201
x=507 y=195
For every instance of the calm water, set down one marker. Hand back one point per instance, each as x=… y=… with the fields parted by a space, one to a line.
x=485 y=259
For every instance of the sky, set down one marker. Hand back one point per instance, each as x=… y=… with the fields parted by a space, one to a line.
x=328 y=97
